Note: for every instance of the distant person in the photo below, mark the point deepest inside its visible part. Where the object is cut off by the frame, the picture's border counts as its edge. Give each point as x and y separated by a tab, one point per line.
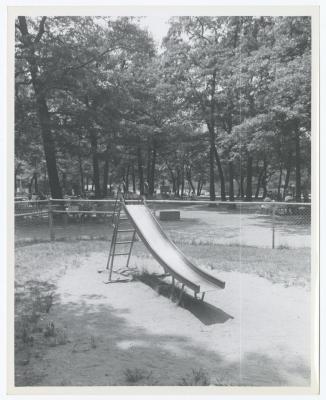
306	197
288	199
266	207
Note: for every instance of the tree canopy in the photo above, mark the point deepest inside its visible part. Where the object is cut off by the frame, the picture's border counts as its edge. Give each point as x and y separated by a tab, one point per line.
223	105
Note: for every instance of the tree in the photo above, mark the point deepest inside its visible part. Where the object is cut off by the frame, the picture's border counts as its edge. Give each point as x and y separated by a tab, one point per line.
75	57
30	44
196	59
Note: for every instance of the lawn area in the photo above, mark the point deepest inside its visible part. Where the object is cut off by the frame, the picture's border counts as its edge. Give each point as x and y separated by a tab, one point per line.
199	224
71	329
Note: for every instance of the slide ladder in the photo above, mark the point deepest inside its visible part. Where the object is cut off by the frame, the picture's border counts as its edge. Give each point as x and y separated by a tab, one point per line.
121	246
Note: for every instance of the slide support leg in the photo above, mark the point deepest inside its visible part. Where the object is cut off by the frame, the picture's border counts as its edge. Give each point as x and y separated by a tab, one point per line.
181	294
172	289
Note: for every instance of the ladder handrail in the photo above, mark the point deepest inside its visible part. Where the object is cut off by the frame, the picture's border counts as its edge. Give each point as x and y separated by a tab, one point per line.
116	223
113	245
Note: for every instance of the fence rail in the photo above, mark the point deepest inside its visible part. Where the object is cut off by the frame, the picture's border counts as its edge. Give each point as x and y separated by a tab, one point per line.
273	220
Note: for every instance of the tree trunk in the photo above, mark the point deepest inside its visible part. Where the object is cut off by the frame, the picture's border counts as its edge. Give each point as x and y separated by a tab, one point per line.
133	176
96	172
110	185
241	186
212	196
221	174
182	180
264	180
151	182
249	179
178	182
64	183
173	180
34	179
126	178
148	175
81	173
41	106
30	185
288	173
198	187
297	167
46	183
259	183
211	130
231	177
140	171
49	147
105	177
279	197
189	179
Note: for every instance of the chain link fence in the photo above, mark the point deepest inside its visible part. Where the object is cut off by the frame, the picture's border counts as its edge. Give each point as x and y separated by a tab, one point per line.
260	224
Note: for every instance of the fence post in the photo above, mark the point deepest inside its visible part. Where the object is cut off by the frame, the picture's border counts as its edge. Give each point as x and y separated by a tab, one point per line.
273	226
52	236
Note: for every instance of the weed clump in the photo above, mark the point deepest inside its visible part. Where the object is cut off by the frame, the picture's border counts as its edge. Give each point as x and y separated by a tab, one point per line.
197	377
138	376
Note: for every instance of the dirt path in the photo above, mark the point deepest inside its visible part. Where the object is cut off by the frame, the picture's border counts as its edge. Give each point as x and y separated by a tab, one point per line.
253	332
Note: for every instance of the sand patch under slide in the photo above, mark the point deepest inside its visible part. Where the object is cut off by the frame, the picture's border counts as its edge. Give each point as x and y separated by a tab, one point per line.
253	332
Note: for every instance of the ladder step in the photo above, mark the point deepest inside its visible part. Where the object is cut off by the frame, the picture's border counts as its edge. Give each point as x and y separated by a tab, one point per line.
124	242
121	254
126	230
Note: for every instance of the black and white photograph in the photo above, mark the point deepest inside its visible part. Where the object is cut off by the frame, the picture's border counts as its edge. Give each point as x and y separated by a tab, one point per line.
164	200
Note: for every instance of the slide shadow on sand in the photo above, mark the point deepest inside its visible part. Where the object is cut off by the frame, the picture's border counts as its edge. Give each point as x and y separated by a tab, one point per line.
205	312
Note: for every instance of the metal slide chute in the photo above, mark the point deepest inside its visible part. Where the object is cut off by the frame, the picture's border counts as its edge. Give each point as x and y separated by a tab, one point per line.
167	253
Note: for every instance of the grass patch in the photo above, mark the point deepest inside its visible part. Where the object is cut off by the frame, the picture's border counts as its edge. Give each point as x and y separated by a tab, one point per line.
286	266
280	265
197	377
138	377
290	267
33	302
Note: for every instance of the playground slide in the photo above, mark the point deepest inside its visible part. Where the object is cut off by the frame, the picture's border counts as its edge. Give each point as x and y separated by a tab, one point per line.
167	254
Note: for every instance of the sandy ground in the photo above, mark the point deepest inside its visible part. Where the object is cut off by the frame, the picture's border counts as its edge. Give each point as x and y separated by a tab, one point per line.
253	332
